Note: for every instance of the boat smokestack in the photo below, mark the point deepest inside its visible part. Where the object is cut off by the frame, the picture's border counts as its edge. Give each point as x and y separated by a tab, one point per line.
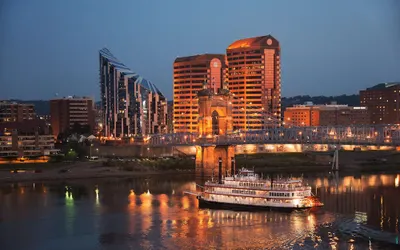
220	170
233	170
272	180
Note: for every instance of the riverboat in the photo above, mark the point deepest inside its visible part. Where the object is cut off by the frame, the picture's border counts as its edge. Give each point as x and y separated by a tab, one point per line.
248	190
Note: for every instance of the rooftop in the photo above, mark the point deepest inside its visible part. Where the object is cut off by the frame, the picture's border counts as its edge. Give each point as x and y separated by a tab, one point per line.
128	72
259	41
201	58
5	102
73	98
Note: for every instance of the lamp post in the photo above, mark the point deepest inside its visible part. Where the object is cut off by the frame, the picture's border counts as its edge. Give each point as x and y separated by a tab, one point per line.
90	150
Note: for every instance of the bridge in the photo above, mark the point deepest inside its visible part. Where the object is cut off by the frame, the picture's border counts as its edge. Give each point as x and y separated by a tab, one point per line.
376	135
216	139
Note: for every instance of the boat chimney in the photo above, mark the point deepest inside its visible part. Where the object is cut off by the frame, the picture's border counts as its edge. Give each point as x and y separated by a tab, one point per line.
272	180
233	170
220	170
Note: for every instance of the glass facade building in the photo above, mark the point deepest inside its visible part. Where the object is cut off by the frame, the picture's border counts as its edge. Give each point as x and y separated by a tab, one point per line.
131	105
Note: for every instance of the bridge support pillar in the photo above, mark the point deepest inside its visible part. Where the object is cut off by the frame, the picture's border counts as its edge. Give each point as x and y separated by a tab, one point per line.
207	158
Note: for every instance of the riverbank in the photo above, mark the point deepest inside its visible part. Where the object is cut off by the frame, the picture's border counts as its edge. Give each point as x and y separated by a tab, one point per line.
83	170
350	162
269	163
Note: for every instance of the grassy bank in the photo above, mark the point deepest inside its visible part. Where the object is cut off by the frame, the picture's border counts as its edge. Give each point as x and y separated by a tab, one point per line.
350	162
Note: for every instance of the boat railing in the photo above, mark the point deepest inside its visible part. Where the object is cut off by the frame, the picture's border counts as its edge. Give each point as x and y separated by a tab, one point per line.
258	179
265	188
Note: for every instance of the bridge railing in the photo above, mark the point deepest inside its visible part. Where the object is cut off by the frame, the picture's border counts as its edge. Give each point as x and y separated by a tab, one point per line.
351	135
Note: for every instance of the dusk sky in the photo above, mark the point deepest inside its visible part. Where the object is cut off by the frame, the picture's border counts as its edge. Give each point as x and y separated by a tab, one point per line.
328	47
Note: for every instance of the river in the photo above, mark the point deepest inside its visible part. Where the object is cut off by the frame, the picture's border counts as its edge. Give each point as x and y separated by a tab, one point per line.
152	213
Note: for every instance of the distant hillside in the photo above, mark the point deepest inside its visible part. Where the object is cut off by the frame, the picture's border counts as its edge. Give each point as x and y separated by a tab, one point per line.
351	100
42	107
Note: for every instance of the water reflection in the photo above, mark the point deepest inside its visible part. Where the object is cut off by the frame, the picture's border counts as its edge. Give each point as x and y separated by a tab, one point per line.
153	213
367	194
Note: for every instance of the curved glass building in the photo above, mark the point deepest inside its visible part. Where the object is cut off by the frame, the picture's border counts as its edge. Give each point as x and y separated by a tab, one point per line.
131	105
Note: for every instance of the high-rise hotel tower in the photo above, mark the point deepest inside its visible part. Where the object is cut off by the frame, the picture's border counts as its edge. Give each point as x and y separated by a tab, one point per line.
131	105
190	73
254	77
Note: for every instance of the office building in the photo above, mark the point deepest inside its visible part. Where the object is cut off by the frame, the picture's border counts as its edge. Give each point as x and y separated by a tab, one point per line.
325	115
131	105
16	112
382	101
190	73
255	81
70	111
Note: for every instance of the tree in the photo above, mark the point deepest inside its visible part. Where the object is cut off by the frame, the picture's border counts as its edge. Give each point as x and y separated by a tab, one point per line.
71	154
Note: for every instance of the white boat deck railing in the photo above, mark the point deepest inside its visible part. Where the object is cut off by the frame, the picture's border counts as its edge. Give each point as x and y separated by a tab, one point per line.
263	188
258	195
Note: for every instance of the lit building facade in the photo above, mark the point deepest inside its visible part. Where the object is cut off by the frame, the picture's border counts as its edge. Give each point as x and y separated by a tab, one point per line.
131	105
325	115
301	115
382	101
71	110
16	112
190	73
170	117
254	77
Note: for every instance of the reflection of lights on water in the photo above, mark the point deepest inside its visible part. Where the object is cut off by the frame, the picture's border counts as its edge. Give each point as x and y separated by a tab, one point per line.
68	197
396	181
381	212
132	199
360	217
70	209
97	195
146	199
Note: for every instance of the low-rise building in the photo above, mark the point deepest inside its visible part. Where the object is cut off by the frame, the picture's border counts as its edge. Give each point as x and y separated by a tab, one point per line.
383	103
16	112
324	115
26	139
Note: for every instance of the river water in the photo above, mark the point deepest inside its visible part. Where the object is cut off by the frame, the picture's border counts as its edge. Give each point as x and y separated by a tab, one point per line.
152	213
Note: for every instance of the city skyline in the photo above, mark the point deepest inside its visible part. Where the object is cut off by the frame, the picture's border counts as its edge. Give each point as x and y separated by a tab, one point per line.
326	52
